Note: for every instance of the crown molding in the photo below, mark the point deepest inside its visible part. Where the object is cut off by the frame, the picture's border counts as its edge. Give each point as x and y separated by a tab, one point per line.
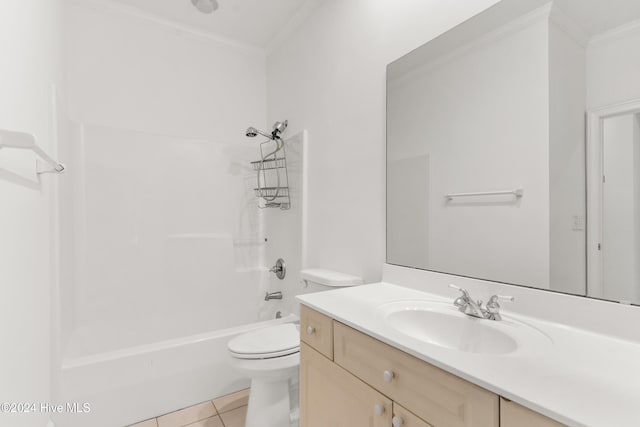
566	24
525	21
615	34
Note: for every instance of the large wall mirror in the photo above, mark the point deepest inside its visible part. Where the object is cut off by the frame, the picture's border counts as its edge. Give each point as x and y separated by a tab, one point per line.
513	149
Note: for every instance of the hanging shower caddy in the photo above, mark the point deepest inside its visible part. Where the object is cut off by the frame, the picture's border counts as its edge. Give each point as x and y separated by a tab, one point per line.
273	179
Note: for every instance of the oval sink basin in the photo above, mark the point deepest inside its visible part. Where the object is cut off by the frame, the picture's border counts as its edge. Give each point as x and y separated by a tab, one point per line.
444	326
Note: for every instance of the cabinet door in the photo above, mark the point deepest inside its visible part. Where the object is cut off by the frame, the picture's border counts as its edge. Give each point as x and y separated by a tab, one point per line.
332	397
514	415
404	418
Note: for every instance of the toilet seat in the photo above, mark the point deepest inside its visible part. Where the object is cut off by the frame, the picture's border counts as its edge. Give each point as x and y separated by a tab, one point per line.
267	343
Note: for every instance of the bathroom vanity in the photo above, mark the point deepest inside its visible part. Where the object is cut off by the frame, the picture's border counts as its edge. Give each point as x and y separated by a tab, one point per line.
365	382
367	361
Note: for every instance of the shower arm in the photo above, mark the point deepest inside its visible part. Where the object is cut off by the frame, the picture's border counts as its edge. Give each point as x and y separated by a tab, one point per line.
266	135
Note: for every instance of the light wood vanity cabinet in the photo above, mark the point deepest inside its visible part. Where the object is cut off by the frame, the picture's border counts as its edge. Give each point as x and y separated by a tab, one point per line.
514	415
334	398
358	381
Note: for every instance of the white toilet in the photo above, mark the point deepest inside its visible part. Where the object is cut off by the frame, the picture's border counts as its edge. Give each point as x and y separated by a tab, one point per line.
271	358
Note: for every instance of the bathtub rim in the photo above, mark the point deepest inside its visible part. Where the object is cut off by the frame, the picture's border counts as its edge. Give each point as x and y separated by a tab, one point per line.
84	361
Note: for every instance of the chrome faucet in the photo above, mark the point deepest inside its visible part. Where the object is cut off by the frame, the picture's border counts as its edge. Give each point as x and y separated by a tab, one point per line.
472	308
466	304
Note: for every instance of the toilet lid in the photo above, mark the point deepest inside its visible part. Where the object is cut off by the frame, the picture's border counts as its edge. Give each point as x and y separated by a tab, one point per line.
265	343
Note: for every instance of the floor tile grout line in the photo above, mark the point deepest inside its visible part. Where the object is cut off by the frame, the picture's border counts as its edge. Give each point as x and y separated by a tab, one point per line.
185	408
219	416
247	390
214	408
232	409
217	413
144	421
226	412
205	418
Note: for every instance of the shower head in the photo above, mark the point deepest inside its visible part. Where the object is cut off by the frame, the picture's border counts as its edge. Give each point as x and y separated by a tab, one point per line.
205	6
278	128
253	132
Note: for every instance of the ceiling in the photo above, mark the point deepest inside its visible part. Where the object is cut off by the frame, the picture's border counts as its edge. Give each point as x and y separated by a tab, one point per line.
596	16
254	22
257	22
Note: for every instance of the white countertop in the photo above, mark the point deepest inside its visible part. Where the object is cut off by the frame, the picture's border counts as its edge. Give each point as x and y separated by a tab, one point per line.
580	378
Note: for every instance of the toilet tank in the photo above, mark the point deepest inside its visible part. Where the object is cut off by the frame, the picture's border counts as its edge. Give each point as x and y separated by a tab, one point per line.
319	279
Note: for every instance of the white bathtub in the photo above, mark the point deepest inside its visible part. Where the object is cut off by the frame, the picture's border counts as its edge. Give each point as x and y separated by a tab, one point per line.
126	386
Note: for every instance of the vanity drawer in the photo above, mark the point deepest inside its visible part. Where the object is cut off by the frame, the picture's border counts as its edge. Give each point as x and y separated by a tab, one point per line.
316	330
514	415
404	418
439	398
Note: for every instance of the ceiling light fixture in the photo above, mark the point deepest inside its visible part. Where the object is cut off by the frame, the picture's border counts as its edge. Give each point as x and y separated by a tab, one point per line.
205	6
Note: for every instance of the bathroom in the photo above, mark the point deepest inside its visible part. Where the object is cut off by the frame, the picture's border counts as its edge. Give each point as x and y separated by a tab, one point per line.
128	274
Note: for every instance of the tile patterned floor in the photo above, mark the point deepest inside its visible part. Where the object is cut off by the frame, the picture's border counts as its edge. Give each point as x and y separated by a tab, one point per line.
226	411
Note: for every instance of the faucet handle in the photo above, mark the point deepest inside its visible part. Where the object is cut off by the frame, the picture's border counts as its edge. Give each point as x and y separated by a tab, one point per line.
465	293
462	301
494	299
493	307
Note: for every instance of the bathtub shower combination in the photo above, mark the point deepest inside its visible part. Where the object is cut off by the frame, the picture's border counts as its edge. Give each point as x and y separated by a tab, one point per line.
163	261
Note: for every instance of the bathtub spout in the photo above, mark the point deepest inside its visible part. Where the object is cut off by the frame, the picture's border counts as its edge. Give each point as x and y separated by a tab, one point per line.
273	295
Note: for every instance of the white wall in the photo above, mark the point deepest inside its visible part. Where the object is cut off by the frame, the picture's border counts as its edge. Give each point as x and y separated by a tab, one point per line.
333	84
284	232
162	209
613	61
408	208
567	193
440	110
131	73
29	40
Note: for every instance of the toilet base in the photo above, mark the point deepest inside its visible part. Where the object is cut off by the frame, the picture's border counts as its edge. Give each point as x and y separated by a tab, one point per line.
274	388
269	404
